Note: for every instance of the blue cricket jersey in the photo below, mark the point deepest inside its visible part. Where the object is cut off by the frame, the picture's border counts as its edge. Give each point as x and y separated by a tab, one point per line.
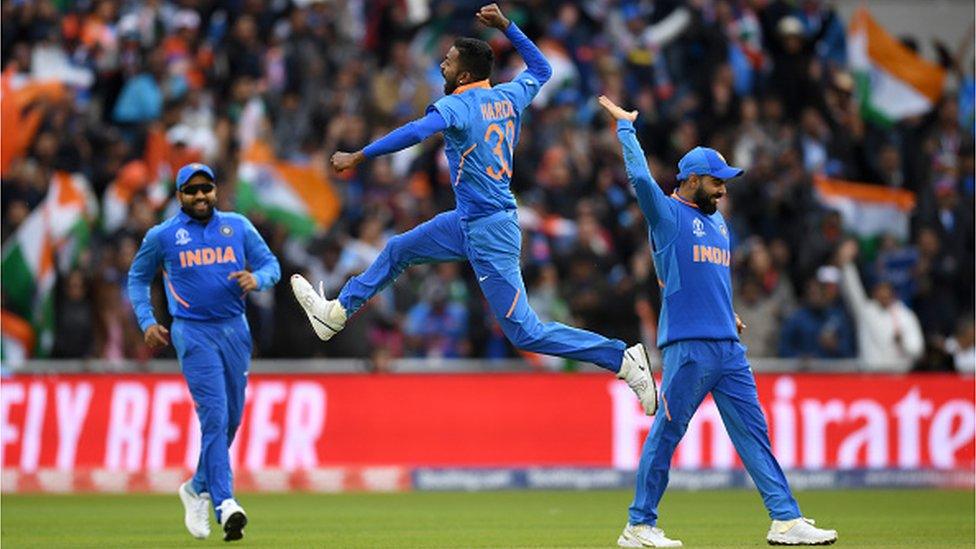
197	259
691	255
483	125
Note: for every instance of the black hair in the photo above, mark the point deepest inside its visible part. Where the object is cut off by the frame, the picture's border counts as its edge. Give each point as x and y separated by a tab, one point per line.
475	56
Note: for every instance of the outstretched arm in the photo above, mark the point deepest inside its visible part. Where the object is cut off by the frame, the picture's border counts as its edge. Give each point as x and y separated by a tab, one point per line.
405	136
657	208
491	16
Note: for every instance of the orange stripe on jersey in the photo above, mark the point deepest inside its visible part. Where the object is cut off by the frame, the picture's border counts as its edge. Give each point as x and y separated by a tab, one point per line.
681	199
461	163
479	84
667	412
169	284
514	301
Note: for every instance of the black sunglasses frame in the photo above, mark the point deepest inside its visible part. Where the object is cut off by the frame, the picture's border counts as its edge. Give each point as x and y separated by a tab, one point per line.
191	190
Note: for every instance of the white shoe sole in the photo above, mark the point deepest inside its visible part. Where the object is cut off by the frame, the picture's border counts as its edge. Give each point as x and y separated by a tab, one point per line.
308	299
794	542
624	541
630	541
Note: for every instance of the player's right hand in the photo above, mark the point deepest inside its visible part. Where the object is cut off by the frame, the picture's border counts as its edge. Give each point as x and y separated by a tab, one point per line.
157	336
342	161
615	111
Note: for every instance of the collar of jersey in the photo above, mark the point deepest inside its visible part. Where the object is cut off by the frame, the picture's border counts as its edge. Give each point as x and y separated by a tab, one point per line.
479	84
679	198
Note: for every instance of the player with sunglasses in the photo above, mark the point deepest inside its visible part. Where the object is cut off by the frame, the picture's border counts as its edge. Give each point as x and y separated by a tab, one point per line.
205	254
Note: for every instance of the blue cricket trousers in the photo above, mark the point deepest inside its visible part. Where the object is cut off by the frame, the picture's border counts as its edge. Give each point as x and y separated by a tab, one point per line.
492	244
214	356
692	369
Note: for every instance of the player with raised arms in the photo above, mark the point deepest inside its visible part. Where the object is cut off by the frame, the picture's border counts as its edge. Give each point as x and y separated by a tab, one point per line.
699	341
480	124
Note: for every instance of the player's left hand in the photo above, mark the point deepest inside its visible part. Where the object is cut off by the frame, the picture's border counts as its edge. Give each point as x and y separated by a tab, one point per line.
491	16
615	110
739	325
245	280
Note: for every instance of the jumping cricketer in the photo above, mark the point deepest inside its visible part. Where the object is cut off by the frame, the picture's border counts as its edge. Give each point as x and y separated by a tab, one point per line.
699	340
204	254
481	125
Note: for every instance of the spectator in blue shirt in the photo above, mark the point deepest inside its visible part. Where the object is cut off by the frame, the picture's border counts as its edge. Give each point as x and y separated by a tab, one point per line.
818	329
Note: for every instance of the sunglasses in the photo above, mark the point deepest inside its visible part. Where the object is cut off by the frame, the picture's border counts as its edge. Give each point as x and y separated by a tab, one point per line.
194	189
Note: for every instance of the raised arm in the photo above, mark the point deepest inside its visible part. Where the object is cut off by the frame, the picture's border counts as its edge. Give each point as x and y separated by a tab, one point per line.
658	209
405	136
540	69
851	287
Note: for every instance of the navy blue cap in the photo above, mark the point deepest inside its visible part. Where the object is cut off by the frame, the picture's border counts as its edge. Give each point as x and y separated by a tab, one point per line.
188	171
705	161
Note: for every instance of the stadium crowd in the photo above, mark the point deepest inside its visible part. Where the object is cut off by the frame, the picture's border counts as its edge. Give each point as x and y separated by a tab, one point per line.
765	82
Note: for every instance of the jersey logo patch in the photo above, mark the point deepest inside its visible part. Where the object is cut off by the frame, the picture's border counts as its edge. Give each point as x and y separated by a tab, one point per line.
226	230
697	227
182	237
723	230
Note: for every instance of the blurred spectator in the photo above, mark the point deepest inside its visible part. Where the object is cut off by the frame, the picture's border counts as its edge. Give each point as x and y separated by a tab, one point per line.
962	346
436	327
889	335
73	337
817	329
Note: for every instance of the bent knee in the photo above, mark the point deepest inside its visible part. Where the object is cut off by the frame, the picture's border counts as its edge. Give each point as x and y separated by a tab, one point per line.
524	335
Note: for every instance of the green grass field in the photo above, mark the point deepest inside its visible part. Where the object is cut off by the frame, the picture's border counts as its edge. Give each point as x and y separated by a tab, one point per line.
883	519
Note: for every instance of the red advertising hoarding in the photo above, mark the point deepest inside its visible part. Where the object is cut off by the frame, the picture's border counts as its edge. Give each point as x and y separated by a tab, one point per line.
141	423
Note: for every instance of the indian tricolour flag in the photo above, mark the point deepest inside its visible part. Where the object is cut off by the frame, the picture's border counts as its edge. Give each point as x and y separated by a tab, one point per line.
867	210
892	81
53	235
299	197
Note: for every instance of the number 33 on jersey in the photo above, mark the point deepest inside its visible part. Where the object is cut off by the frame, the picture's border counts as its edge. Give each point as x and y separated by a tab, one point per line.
483	128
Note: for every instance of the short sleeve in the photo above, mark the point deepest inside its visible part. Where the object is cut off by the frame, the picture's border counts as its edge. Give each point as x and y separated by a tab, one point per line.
454	111
522	89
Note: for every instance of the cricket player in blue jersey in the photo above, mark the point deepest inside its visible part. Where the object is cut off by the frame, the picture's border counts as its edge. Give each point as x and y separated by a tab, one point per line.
480	124
204	254
699	339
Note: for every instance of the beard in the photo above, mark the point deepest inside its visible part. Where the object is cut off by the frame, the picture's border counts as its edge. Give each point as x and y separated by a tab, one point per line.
191	210
449	87
704	202
450	84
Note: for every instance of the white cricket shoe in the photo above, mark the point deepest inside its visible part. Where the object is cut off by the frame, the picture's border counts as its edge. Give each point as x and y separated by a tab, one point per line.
196	509
799	531
327	317
636	371
232	519
643	535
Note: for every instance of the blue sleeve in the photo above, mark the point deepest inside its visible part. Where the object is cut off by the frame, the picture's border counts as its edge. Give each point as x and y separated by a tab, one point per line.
407	135
658	209
264	265
453	110
526	85
141	275
537	64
